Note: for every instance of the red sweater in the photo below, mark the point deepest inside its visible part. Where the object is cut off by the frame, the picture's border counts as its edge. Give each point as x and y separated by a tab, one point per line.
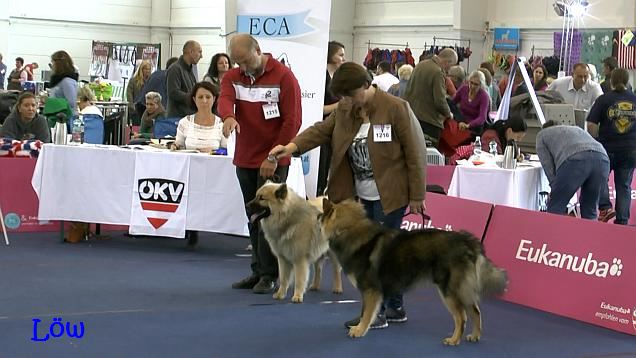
258	136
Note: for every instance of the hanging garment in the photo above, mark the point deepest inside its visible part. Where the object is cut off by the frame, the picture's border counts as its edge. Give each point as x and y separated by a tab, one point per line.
577	43
597	45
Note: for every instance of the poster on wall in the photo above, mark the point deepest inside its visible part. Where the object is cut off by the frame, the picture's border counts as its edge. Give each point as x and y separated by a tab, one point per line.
506	38
295	32
117	62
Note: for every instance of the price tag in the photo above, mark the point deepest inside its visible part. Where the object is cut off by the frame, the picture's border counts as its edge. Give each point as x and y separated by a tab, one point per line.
270	110
381	132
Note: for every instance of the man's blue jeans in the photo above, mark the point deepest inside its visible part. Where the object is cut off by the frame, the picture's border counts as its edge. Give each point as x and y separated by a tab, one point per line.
587	170
623	164
392	220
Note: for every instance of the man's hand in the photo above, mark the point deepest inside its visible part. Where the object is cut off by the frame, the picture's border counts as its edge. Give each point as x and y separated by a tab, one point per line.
417	207
229	124
268	168
463	126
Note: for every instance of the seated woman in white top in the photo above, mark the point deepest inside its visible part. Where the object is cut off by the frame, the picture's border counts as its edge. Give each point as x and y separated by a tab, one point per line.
202	131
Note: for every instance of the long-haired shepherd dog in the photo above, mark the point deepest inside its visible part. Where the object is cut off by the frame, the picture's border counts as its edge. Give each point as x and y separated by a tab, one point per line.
291	227
381	262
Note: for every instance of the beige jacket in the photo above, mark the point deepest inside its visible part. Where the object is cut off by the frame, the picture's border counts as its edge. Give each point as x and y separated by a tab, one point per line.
399	166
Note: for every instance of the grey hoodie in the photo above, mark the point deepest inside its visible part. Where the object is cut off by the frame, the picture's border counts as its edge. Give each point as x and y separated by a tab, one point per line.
14	127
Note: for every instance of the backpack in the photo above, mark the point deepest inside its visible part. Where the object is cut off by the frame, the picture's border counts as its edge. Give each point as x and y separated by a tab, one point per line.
7	102
53	106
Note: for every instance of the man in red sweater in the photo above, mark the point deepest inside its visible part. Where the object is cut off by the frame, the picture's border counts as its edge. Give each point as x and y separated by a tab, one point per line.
261	101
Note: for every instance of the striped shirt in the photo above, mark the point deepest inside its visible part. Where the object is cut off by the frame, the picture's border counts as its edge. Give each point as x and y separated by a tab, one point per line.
194	136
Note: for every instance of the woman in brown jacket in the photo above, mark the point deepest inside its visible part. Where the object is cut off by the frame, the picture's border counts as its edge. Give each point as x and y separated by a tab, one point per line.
378	156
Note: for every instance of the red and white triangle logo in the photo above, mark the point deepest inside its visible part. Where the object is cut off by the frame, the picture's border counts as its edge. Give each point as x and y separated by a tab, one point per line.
159	199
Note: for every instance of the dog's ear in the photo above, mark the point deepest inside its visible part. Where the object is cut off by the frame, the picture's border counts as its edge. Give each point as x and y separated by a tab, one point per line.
281	192
327	207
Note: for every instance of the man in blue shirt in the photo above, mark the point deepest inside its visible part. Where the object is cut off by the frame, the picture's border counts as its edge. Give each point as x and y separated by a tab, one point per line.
612	120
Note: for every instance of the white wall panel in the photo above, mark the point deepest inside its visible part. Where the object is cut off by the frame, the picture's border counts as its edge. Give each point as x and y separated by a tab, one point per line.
133	12
341	24
190	13
403	13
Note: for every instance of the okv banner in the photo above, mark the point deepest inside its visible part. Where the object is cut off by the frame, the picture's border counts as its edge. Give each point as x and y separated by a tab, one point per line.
296	33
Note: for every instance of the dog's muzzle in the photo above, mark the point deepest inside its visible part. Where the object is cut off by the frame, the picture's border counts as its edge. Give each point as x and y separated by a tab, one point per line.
257	212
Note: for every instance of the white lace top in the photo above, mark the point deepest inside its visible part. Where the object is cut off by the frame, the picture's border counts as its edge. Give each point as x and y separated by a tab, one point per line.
194	136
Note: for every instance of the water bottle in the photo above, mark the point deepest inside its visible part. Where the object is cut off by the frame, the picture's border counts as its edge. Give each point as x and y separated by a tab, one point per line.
477	147
77	130
492	148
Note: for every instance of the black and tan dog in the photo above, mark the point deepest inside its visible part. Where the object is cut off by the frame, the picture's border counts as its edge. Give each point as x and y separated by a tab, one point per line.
381	262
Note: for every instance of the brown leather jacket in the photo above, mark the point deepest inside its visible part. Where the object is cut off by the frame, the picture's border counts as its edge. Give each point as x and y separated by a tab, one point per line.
398	166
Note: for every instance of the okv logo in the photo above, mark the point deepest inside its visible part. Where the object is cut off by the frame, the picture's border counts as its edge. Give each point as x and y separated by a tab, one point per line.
12	220
57	328
159	199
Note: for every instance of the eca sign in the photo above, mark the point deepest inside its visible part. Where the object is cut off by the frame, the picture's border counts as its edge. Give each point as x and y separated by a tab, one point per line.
274	25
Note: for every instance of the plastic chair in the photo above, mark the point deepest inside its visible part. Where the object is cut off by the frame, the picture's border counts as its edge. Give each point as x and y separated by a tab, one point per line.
93	129
165	127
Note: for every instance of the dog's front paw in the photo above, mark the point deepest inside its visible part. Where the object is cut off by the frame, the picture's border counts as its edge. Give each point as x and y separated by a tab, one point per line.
473	338
297	299
357	331
279	295
337	290
451	341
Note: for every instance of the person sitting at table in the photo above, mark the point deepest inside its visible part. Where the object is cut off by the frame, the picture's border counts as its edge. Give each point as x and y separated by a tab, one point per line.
203	130
86	102
474	103
503	131
571	159
24	122
154	110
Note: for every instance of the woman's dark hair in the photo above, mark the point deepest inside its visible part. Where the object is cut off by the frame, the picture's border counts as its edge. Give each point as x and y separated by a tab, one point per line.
517	124
620	77
332	48
213	70
64	63
489	66
349	77
542	82
207	86
21	98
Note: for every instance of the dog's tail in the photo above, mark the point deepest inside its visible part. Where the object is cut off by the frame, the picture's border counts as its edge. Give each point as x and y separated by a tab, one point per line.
492	280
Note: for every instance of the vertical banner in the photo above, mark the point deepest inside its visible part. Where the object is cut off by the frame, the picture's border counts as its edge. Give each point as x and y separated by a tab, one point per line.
160	194
295	32
116	62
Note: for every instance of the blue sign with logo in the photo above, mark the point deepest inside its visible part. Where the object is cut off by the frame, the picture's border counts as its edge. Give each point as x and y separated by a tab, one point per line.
292	25
12	221
506	38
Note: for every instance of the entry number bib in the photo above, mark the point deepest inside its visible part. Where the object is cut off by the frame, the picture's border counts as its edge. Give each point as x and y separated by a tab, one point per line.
381	132
270	110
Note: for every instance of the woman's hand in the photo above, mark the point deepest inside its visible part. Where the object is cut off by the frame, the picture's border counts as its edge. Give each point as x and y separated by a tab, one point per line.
281	151
463	126
417	207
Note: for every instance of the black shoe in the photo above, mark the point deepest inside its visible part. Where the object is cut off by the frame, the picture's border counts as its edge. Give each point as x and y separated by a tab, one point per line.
246	284
379	322
396	315
193	239
264	285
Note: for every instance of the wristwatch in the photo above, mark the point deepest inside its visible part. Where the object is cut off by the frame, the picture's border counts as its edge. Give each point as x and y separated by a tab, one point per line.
272	158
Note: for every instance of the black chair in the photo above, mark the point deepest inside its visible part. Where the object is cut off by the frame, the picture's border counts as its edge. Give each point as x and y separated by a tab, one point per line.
113	128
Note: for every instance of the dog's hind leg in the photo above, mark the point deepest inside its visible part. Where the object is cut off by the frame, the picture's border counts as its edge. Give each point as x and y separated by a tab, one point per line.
284	274
315	285
475	316
301	271
371	301
456	309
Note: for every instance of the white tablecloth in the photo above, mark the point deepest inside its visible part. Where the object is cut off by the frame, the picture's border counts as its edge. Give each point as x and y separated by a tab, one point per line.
95	184
517	188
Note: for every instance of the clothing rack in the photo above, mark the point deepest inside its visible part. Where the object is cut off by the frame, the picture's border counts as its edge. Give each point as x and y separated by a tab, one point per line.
540	49
369	43
435	38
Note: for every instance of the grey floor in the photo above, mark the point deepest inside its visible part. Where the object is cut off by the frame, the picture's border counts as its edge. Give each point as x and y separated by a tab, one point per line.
153	298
